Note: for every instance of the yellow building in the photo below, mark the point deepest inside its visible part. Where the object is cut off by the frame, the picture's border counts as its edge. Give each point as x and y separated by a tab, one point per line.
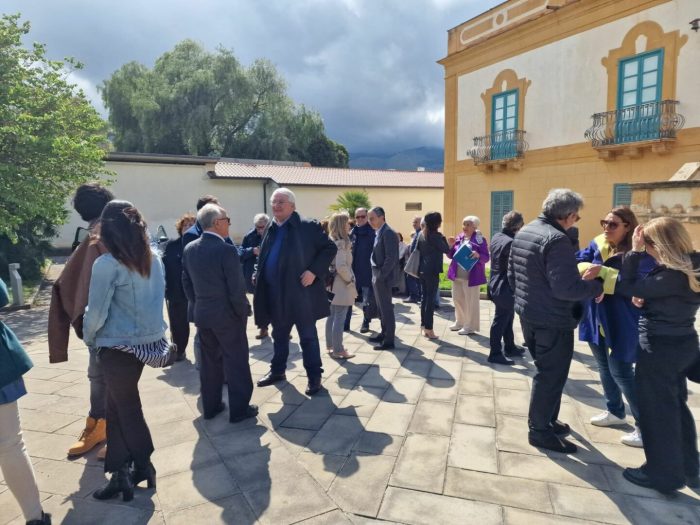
592	95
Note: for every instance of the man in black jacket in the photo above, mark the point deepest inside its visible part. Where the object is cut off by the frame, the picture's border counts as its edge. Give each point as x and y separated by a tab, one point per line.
289	287
249	251
501	293
213	282
548	289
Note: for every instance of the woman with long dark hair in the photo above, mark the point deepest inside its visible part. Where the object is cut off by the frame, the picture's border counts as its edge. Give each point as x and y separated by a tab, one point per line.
669	297
609	324
124	320
432	245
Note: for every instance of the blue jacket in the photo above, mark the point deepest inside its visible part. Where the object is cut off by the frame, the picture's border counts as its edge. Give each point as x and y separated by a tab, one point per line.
124	308
362	246
14	361
616	314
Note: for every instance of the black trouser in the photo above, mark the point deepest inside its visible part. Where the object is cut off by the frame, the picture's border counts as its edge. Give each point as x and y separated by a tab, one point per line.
225	354
552	349
382	294
502	325
668	427
428	287
128	437
179	325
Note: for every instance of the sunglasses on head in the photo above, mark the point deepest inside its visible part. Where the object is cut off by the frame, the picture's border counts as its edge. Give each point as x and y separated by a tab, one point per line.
611	225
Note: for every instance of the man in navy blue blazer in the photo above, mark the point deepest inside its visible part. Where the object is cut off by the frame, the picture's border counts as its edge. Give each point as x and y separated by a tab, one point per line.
214	285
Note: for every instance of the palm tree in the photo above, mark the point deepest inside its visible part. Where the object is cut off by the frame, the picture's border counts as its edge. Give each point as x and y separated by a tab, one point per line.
351	200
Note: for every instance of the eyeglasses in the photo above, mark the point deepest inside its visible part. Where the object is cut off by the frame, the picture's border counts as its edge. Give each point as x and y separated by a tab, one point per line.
611	225
227	219
360	216
278	203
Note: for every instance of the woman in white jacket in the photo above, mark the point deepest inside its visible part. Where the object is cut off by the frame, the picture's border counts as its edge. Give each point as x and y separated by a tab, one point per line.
343	288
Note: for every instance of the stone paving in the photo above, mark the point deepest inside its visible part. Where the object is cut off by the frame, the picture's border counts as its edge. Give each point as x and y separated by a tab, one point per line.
428	433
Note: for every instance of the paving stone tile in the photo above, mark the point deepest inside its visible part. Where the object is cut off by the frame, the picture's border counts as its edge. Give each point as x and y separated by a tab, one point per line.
234	509
417	368
322	467
476	384
475	410
391	418
501	490
588	504
9	508
511	383
312	414
47	373
187	489
249	440
285	394
443	369
363	520
420	508
473	447
421	463
553	469
184	456
263	467
377	377
43	421
338	435
444	390
360	484
334	517
360	401
516	402
50	446
66	478
645	511
513	516
378	443
391	359
432	417
174	433
404	390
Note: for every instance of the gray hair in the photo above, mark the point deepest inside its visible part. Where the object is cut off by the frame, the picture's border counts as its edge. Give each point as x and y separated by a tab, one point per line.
561	202
473	219
261	217
512	220
208	215
284	191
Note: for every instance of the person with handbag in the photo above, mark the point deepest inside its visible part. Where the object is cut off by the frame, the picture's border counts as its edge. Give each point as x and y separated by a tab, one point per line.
669	297
15	464
124	321
431	246
342	285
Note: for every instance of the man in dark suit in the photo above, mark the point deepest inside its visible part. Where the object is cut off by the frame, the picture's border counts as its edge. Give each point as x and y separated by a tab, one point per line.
289	287
214	284
385	269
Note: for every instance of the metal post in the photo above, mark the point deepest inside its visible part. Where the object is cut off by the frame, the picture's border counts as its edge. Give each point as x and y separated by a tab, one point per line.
16	285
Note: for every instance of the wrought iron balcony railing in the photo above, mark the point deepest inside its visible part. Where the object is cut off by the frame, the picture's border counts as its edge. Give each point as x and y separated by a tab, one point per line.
502	145
650	121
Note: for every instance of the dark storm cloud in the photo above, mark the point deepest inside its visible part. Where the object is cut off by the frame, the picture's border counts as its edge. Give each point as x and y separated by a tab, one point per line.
368	66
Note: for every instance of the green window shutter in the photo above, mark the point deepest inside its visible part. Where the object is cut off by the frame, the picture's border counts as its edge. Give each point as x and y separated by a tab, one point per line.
638	96
622	195
504	124
501	203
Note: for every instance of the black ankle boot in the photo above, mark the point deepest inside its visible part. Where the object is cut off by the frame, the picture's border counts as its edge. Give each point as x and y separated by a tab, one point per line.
120	483
147	474
45	520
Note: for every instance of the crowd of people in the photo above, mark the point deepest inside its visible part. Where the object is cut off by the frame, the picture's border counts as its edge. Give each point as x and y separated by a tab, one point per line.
633	293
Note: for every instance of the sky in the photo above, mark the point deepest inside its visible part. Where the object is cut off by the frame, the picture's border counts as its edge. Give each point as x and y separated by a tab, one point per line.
367	66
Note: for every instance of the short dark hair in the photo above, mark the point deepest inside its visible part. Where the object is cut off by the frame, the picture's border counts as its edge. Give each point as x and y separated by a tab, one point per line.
90	199
512	221
206	199
378	211
432	220
124	234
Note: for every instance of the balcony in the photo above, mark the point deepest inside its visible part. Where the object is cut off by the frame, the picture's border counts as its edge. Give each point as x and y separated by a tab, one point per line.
500	150
631	130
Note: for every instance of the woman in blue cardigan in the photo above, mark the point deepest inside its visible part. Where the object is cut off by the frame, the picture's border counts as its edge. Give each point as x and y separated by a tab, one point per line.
14	461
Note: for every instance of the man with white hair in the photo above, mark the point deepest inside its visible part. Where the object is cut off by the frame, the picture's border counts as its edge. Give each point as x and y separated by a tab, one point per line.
250	249
548	291
213	282
295	256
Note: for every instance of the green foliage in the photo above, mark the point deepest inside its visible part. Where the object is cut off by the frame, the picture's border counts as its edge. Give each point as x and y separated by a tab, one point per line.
351	200
29	250
194	102
51	138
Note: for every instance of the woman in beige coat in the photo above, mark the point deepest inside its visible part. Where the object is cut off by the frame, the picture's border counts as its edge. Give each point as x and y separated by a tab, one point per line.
343	289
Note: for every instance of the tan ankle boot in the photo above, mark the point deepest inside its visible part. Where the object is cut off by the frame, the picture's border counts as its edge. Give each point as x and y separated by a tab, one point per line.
95	432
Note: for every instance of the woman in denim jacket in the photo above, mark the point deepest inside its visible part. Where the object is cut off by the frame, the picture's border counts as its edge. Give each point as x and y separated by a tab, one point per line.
124	320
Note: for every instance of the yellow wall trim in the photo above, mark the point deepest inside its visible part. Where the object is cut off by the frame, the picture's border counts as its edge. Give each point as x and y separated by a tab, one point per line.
511	81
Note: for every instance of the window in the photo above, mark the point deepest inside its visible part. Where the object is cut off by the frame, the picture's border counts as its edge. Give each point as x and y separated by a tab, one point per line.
501	203
622	195
414	206
504	123
638	97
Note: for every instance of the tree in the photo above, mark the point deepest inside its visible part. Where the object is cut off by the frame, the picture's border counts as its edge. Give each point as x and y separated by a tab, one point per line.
351	200
51	138
194	102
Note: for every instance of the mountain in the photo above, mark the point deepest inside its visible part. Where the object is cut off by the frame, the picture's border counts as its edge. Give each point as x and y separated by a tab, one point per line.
431	159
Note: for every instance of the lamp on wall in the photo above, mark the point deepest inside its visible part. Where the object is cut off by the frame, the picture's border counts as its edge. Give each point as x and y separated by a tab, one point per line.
695	24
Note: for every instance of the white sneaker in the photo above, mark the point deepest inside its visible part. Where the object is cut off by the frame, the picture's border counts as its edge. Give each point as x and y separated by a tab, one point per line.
606	419
454	327
465	331
633	439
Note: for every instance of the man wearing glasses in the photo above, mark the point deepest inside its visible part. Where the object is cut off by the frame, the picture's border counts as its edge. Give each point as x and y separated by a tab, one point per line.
250	249
362	236
295	255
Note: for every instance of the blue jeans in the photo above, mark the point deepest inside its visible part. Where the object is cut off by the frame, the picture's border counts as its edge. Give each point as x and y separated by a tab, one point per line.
310	349
617	378
98	387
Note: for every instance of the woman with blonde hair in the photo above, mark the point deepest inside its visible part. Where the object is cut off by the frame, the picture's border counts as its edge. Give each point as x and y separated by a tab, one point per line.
669	297
342	287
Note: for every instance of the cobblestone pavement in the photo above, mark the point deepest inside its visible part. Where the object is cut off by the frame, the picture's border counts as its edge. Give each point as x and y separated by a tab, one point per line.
428	433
